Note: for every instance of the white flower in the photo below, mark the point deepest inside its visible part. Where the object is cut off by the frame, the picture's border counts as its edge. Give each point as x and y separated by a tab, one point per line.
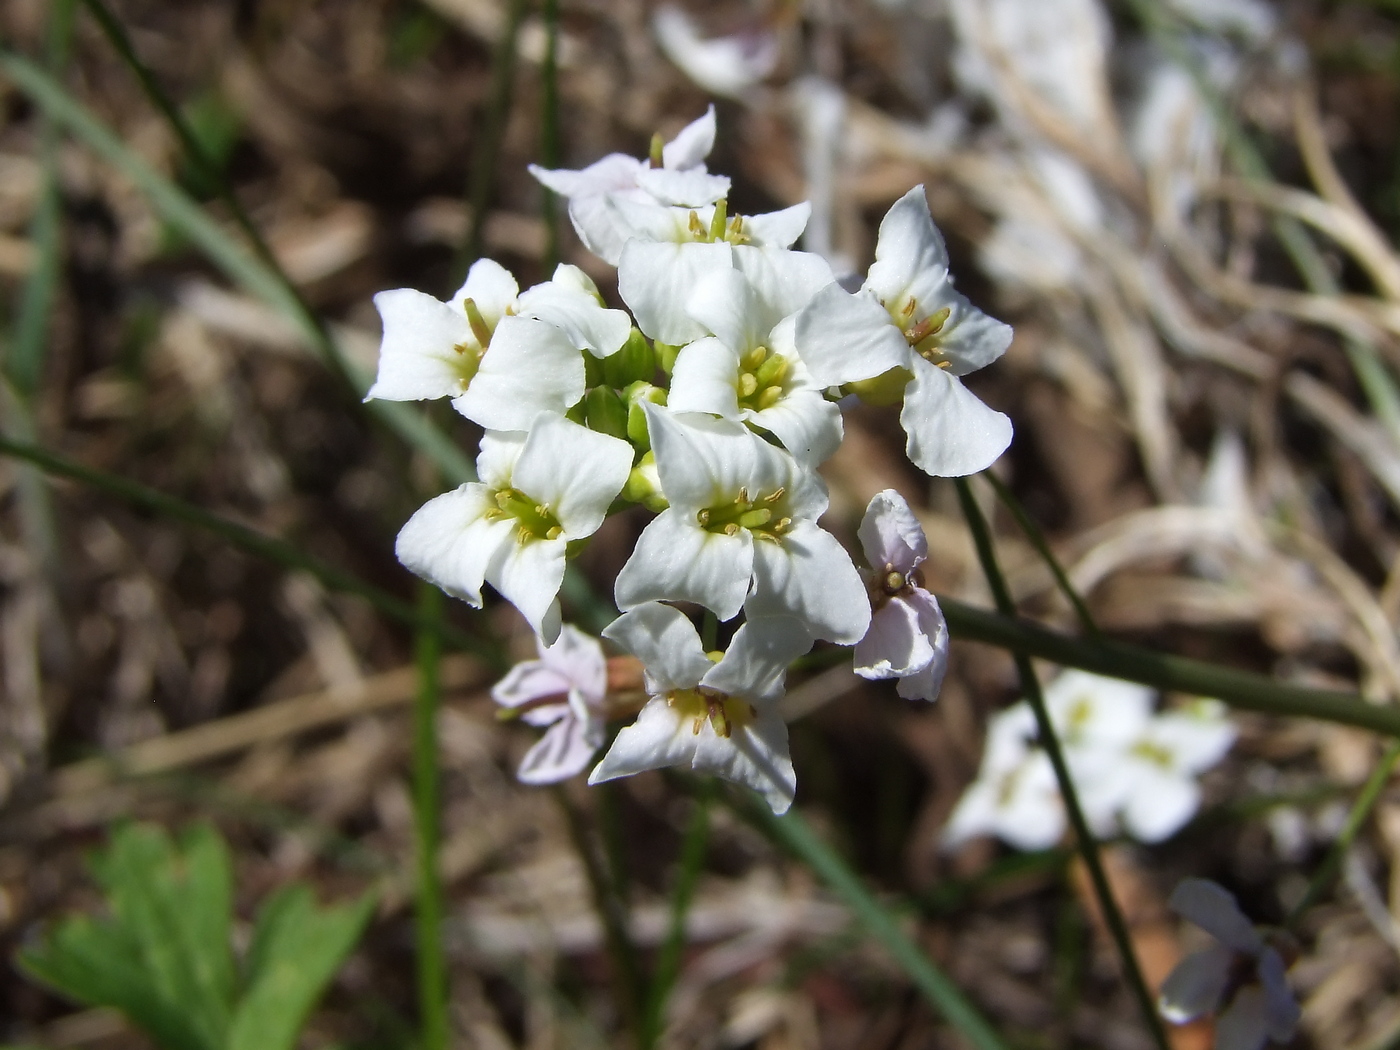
1244	970
678	177
908	637
564	689
907	325
741	532
500	370
1015	796
724	65
537	493
720	717
749	370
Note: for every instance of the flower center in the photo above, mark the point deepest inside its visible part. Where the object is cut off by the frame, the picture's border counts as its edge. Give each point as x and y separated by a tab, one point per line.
1154	753
722	711
924	337
762	516
721	228
534	521
469	356
761	375
891	583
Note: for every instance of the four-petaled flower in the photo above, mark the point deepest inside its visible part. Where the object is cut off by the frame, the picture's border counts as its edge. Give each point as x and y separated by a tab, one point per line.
1015	796
537	493
715	717
564	690
1245	973
741	532
908	636
907	333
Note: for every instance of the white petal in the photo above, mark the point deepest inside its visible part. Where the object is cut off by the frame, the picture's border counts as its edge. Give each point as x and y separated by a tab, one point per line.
1213	908
891	535
950	432
574	471
599	225
676	560
910	256
725	303
1195	743
656	280
1244	1025
491	287
705	379
564	751
666	643
1033	817
529	575
704	462
616	171
1160	806
692	145
683	189
925	684
1009	736
755	664
843	338
659	738
449	543
1093	710
974	815
809	575
808	425
894	646
417	357
530	680
499	451
783	281
1281	1012
969	338
1196	984
726	65
755	755
778	229
530	367
579	658
583	319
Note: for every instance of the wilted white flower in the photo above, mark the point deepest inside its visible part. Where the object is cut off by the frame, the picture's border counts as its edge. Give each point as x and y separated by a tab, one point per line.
564	689
722	65
715	717
908	636
748	370
1015	796
1242	978
503	358
537	493
741	532
675	175
907	333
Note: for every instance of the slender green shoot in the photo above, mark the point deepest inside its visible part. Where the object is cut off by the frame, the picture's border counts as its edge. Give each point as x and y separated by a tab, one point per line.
1084	837
1037	540
1336	853
256	543
491	132
668	960
625	967
549	128
937	989
427	822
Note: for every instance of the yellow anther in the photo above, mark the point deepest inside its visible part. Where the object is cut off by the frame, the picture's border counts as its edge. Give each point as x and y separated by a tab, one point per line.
696	227
775	495
743	496
747	384
771	396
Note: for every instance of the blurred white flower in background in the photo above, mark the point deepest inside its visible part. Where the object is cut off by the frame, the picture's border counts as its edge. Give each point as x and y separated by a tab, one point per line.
728	66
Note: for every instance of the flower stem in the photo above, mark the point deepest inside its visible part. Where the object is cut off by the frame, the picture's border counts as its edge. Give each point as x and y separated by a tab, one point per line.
1360	810
1084	837
428	910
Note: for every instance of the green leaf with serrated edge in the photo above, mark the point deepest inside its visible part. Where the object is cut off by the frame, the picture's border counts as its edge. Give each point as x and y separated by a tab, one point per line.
296	950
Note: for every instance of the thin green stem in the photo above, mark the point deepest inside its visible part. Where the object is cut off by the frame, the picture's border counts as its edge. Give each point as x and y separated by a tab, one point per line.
241	536
1042	547
1084	837
709	630
622	953
794	833
491	131
668	960
427	822
549	128
1336	853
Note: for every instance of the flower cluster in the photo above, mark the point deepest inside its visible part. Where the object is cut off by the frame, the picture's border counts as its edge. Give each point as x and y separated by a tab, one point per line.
1135	771
710	401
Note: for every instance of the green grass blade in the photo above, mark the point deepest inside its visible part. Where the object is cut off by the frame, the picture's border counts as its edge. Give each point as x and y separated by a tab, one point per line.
549	129
1083	836
427	822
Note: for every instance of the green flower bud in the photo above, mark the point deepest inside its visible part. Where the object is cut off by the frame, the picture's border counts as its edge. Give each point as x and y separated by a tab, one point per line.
644	485
604	412
633	363
666	356
635	394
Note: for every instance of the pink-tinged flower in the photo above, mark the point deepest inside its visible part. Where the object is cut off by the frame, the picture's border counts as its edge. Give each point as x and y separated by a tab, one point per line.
564	690
1244	973
908	636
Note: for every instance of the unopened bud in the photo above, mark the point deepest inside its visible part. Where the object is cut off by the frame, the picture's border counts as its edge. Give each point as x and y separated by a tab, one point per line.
635	362
644	485
636	395
604	412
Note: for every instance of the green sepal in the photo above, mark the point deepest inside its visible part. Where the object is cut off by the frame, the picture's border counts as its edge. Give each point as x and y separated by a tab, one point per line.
604	412
634	362
665	355
636	395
